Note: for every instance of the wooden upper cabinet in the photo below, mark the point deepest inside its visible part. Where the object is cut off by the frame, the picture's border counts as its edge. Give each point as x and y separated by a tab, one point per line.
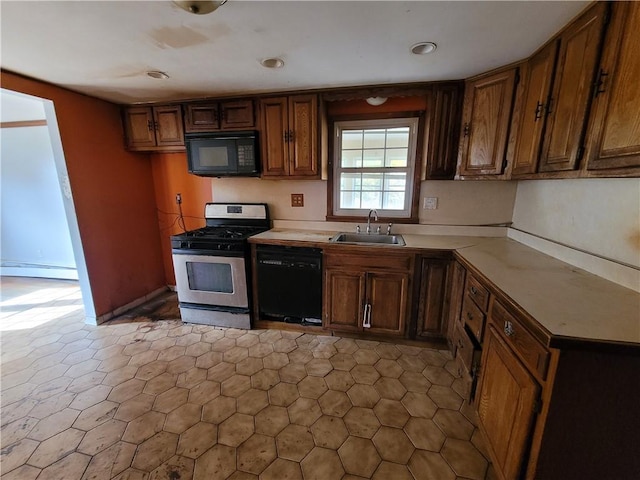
289	136
213	116
531	107
571	95
506	405
444	109
485	124
614	131
154	128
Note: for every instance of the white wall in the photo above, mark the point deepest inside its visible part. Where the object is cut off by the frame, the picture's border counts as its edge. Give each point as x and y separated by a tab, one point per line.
34	230
459	203
600	216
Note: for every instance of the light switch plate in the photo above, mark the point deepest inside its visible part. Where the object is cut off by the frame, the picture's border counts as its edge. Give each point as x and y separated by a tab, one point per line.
297	200
430	203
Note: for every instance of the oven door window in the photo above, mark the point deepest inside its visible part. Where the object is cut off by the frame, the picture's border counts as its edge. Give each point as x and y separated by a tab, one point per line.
210	277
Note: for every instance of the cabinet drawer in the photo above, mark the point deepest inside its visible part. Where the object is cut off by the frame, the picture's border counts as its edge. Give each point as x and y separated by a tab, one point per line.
465	348
473	318
379	262
475	290
531	352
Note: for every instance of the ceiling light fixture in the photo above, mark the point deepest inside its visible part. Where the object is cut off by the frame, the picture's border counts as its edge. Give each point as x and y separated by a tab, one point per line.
423	48
376	101
272	62
157	74
198	7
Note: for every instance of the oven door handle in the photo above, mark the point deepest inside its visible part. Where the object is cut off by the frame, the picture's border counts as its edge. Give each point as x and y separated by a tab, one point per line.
208	253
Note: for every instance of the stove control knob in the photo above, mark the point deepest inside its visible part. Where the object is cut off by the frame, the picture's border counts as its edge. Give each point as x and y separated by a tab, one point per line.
228	246
184	245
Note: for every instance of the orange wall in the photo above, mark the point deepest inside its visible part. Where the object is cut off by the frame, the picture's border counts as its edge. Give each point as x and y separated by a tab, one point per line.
170	176
113	194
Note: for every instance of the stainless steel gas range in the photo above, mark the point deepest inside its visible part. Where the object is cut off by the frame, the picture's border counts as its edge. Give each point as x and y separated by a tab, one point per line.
212	264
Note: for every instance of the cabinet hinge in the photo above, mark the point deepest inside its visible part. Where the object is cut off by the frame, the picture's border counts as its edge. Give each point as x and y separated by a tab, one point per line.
580	152
537	405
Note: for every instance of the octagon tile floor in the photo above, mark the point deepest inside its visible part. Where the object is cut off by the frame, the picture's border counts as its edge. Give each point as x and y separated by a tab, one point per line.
140	399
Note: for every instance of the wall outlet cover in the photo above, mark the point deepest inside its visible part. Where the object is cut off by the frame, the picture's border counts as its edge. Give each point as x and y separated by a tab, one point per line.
297	200
430	203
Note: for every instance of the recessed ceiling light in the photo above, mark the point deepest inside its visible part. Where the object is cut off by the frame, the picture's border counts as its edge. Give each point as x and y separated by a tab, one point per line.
200	7
157	74
272	62
423	48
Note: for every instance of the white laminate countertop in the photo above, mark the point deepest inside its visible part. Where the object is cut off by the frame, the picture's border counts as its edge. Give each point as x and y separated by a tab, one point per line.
568	302
571	304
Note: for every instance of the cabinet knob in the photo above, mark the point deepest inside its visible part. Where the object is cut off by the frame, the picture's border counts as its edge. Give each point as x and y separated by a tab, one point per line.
286	135
508	329
474	290
150	125
465	129
292	135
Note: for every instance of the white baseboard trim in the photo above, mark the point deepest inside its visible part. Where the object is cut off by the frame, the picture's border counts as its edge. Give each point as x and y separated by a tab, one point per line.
40	272
125	308
624	275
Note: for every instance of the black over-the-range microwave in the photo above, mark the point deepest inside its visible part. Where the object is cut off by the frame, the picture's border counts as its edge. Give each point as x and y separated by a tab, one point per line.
224	154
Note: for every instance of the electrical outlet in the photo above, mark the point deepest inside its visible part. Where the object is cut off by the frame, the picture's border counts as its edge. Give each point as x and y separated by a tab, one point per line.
297	200
430	203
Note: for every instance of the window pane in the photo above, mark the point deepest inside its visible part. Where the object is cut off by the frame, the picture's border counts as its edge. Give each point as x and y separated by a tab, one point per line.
351	159
372	181
349	199
395	181
351	139
373	158
393	200
371	200
374	138
350	181
398	137
396	157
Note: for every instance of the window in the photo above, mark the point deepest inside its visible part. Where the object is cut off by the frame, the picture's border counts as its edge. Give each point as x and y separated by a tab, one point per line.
374	167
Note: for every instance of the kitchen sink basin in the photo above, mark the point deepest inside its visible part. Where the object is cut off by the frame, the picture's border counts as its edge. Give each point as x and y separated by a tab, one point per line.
370	238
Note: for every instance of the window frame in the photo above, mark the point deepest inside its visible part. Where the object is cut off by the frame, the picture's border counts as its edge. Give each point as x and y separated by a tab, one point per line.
413	119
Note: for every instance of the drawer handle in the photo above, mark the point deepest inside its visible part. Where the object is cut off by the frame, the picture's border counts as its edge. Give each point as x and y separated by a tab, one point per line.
460	345
474	290
469	316
508	329
478	334
366	322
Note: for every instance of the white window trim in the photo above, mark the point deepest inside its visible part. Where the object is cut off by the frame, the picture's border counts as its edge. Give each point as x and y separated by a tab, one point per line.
412	123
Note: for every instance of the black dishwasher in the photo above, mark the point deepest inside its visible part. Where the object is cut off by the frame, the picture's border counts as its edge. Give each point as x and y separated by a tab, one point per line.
289	281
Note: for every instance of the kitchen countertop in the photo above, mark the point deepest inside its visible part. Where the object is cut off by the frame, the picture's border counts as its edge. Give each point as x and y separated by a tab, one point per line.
572	305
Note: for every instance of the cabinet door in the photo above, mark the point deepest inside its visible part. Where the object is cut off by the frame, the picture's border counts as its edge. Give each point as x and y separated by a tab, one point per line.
506	401
275	148
303	135
536	82
387	297
568	106
487	112
236	115
432	321
201	117
139	129
444	127
344	293
168	125
614	133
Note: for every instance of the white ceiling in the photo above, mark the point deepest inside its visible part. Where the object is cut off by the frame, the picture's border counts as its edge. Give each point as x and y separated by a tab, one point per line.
104	48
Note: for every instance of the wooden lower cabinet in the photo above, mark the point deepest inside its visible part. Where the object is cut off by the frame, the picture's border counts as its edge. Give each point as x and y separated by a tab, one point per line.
506	402
433	319
363	294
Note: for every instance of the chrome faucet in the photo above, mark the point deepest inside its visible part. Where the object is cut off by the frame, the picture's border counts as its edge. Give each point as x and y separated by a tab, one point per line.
375	216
